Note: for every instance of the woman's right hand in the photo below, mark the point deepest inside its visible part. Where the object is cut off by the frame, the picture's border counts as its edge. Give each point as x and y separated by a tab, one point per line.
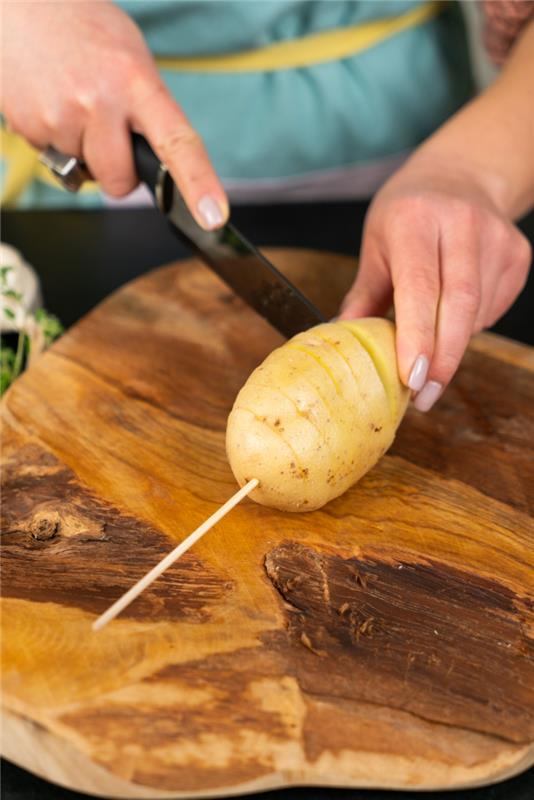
79	76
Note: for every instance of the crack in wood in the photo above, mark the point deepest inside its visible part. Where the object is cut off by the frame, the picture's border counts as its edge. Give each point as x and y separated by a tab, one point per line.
418	636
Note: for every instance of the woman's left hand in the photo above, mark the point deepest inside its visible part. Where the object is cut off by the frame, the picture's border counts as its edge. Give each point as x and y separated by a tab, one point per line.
437	245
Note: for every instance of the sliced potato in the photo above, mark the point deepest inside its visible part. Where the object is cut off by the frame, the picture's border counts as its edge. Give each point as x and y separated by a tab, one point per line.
317	414
377	336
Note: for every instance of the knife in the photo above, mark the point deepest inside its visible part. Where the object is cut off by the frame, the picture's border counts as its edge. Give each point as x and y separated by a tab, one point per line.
232	257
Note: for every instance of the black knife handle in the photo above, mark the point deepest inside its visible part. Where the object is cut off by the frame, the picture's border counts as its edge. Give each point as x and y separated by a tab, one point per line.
151	172
147	164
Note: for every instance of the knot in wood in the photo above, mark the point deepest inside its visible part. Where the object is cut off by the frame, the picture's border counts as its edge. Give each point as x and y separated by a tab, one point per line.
44	525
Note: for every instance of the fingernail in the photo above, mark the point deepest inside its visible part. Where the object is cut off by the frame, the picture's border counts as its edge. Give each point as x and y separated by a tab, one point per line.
210	212
428	396
417	378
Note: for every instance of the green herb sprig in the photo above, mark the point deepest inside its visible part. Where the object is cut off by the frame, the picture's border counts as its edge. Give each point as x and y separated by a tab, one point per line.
36	332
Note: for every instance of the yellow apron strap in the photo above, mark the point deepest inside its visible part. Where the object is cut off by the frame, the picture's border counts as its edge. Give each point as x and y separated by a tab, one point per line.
317	48
20	163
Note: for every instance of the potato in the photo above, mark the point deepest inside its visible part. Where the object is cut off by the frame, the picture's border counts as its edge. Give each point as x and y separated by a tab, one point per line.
317	414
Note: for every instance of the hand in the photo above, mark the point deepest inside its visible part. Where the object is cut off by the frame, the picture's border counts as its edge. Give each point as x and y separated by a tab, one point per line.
435	243
79	76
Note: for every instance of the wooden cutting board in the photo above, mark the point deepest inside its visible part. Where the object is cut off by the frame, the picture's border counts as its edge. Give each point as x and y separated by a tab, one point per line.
385	640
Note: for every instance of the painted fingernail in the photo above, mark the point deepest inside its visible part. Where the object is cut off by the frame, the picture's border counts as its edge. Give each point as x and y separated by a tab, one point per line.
417	378
428	395
210	212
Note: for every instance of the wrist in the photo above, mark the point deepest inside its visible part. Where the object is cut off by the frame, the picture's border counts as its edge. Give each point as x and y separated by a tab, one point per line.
488	143
453	171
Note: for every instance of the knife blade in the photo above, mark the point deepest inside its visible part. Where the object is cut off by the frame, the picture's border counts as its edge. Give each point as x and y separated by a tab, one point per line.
229	254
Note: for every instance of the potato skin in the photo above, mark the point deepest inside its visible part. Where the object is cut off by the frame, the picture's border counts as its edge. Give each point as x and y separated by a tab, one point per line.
317	414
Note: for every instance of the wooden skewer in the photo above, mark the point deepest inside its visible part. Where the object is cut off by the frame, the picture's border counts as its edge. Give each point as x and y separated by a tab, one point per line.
120	604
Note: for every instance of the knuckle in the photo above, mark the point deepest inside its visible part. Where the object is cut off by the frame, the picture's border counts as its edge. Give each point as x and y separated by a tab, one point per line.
415	301
465	222
408	209
466	295
131	80
517	280
466	214
32	129
413	324
409	204
53	118
516	269
500	234
444	366
35	137
59	115
181	139
17	125
71	105
117	185
88	101
423	281
142	90
420	333
125	64
524	252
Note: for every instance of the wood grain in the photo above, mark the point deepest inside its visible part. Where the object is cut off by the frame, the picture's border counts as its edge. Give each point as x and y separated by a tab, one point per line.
385	640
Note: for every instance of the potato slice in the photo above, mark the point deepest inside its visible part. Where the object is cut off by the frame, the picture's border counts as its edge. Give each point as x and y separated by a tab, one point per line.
377	336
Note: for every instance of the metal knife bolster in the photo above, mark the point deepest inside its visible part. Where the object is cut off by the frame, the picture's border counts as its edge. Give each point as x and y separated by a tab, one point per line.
68	170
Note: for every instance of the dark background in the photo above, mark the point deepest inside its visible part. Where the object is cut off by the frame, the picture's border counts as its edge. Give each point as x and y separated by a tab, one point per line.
82	256
17	784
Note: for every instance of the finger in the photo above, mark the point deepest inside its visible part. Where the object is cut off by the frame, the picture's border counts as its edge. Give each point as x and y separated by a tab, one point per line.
180	147
372	291
107	151
414	263
458	308
511	280
63	121
489	287
35	138
39	136
496	257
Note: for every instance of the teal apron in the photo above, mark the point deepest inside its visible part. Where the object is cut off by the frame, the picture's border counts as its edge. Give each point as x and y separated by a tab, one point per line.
294	99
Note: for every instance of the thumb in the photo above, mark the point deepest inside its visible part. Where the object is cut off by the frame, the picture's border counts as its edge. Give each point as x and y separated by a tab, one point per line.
371	293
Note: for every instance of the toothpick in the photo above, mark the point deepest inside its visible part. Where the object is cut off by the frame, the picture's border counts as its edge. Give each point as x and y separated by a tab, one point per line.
120	604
